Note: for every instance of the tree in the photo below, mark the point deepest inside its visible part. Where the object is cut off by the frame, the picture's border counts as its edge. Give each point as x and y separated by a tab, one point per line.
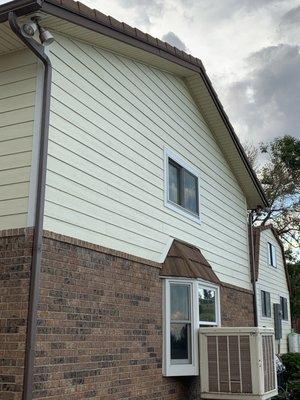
280	178
294	275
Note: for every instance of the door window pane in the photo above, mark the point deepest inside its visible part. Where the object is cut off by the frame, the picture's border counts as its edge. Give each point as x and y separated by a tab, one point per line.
181	342
174	183
207	305
180	302
190	192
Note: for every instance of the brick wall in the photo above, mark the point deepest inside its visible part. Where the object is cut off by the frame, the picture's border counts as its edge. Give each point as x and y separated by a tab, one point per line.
100	328
99	323
15	261
236	306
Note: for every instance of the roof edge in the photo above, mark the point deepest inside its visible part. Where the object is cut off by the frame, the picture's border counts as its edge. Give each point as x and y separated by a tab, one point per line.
92	19
20	7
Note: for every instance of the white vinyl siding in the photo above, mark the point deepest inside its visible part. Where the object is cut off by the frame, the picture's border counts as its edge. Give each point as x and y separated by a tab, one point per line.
272	280
18	73
111	118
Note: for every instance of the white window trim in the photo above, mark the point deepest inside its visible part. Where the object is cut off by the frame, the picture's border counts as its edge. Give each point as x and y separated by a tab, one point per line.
274	254
193	368
168	153
261	304
180	369
207	285
285	296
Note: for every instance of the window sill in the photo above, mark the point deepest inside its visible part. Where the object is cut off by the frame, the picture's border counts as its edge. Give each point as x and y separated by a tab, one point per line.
180	210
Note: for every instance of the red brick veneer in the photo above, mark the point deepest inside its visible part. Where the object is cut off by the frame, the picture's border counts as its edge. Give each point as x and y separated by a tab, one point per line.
15	261
99	323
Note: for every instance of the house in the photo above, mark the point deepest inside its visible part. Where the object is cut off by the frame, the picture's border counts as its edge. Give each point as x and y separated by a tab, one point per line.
124	202
272	284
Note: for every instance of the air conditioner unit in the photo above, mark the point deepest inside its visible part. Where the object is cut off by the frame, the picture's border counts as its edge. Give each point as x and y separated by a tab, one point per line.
237	363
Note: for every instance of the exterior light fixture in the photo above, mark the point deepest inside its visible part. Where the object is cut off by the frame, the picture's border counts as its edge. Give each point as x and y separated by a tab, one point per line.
29	29
32	26
45	36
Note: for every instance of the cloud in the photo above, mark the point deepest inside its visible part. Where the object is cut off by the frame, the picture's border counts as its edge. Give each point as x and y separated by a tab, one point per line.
266	102
145	10
292	16
174	40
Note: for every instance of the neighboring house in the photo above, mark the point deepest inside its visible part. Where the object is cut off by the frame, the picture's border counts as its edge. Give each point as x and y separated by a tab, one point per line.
272	282
123	210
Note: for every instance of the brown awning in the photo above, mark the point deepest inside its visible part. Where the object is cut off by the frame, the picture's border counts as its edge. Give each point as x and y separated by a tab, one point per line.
185	260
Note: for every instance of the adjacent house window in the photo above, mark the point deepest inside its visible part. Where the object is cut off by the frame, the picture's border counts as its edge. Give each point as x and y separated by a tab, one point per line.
271	254
284	308
182	186
265	304
188	303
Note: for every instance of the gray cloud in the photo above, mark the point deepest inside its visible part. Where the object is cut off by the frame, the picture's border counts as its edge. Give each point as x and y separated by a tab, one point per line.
174	40
145	9
292	16
225	9
266	103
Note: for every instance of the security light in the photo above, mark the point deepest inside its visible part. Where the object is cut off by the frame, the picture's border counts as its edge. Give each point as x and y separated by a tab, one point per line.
29	28
32	26
45	36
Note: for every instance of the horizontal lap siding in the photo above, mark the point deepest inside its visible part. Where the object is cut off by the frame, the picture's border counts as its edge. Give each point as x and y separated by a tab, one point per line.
110	120
17	100
272	280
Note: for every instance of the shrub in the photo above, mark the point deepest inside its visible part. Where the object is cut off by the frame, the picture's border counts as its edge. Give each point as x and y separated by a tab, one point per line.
291	361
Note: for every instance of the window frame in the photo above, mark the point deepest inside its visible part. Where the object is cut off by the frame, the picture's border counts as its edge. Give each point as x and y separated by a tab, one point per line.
264	308
184	369
283	309
182	163
272	255
216	288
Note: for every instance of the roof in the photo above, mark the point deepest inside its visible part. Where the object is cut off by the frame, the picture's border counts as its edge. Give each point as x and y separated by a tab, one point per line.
192	68
256	243
185	260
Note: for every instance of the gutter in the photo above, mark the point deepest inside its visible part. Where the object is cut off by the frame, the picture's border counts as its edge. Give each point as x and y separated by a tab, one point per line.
20	7
252	265
31	333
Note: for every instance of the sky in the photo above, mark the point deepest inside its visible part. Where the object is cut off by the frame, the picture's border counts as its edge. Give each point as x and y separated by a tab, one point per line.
250	50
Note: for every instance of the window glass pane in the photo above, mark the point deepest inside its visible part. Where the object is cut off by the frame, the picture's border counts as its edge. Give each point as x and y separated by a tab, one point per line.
207	305
262	302
268	304
190	192
174	183
284	309
273	256
270	253
181	342
180	302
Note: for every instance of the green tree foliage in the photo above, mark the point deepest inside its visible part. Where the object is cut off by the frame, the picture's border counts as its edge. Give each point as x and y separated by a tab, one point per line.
280	178
294	275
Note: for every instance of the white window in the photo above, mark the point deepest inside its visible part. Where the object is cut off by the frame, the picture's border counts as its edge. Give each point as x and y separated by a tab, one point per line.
271	254
181	186
189	303
265	304
209	308
284	308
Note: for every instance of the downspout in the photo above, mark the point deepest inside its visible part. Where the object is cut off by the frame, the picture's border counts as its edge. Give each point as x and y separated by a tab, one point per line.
39	51
252	264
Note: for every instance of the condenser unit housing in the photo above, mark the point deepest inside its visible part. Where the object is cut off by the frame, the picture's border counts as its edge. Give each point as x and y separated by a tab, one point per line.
237	363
